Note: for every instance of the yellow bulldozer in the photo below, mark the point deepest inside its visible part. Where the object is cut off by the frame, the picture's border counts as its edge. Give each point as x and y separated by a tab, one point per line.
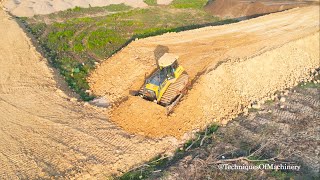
167	84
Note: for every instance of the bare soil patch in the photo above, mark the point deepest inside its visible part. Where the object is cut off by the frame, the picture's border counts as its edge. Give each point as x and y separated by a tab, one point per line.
46	134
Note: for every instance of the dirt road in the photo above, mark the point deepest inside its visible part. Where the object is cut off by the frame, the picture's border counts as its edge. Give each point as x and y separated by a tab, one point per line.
43	133
231	65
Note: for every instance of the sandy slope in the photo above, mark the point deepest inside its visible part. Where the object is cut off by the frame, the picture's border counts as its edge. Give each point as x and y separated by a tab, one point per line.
43	134
244	9
222	90
29	8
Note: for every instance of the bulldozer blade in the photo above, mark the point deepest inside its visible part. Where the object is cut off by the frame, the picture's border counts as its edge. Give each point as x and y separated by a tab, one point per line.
133	93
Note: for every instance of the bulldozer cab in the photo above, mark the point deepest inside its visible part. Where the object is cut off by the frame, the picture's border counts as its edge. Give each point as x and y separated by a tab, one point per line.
167	83
168	65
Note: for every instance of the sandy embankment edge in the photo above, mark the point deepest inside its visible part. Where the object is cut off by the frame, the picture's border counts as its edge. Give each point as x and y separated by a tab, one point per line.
235	86
226	91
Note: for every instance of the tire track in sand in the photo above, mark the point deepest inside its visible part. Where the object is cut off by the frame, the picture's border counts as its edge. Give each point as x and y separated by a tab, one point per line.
43	135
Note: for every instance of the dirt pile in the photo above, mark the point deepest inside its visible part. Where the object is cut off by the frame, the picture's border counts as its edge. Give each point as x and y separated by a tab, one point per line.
243	9
231	60
221	94
46	134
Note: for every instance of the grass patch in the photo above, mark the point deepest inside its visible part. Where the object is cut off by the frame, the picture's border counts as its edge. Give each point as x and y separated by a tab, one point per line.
74	45
151	2
253	110
91	11
269	102
311	84
184	4
280	175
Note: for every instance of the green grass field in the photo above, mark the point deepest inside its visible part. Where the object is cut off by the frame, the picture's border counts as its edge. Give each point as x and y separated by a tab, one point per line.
75	39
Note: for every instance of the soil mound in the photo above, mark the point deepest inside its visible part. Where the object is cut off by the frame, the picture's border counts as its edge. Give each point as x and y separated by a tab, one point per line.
230	66
246	9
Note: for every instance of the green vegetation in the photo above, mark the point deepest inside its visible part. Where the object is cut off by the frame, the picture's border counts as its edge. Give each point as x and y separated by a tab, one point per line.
313	84
196	4
281	175
151	2
269	102
74	45
309	85
80	12
162	162
253	110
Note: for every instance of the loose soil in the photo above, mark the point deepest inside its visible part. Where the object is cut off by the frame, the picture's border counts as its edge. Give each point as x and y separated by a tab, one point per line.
230	67
46	134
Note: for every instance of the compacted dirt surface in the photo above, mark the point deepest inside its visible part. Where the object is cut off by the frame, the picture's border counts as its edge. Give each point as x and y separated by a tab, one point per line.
46	134
230	67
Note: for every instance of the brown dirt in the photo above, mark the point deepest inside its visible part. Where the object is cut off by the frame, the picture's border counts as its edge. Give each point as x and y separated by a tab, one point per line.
44	133
258	57
244	9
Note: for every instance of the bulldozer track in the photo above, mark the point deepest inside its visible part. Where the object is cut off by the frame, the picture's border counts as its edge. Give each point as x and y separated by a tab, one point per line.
174	90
